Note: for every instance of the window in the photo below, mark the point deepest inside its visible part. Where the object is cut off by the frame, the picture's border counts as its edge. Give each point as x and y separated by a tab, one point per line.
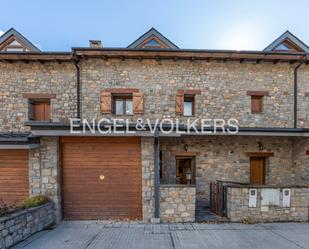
256	104
152	44
39	109
122	104
188	107
185	170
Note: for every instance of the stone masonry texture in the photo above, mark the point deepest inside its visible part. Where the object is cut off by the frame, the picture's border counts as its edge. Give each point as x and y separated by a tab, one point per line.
18	78
147	177
223	95
177	203
238	206
224	158
21	225
223	88
44	172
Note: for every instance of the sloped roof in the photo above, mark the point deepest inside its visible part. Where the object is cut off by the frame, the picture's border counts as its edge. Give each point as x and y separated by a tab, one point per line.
20	38
287	37
153	33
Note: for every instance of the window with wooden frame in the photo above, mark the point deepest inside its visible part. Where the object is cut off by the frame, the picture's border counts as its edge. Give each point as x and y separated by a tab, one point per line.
39	109
256	104
185	102
126	101
257	99
188	105
185	170
122	104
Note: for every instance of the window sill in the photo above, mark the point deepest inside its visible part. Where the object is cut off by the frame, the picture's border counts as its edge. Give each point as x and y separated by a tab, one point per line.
257	113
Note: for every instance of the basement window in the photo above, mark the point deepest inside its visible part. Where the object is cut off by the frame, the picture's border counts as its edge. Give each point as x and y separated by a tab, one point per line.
123	104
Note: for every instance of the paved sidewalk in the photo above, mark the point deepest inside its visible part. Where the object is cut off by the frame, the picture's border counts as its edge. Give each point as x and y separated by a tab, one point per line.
101	235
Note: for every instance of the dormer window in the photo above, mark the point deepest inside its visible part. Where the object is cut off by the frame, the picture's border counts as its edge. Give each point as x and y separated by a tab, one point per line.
282	47
152	44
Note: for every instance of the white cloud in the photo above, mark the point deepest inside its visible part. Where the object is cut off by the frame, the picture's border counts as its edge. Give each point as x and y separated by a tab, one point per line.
1	32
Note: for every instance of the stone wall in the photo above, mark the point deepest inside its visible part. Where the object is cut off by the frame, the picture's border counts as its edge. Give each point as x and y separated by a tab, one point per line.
21	225
33	77
301	160
147	177
44	172
238	206
177	203
223	88
224	158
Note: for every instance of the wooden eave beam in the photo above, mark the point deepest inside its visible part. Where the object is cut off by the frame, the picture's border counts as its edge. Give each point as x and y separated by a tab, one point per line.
35	57
260	57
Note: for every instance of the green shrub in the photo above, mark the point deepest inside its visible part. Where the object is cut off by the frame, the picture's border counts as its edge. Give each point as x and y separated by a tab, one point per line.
34	201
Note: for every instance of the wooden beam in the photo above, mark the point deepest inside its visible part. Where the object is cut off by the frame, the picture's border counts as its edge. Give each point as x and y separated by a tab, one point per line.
257	93
307	152
39	95
259	154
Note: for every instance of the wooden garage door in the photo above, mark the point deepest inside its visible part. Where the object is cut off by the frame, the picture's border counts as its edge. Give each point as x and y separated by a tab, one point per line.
14	178
101	178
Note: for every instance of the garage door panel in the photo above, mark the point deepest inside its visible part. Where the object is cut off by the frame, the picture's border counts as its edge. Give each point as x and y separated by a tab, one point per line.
14	176
85	195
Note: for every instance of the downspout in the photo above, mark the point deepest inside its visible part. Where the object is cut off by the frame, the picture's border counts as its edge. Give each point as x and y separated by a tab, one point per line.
295	92
157	174
78	87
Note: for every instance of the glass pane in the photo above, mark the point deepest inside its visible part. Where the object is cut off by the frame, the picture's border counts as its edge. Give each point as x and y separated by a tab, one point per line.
282	47
129	107
152	43
119	107
187	110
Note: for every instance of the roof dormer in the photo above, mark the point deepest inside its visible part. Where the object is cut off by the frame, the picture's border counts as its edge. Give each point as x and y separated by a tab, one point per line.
287	42
153	39
13	41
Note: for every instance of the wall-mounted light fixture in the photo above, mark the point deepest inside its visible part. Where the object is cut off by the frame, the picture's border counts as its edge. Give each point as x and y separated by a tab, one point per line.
261	146
186	147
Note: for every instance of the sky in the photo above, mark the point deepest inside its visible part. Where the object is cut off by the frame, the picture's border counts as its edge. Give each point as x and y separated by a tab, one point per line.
58	25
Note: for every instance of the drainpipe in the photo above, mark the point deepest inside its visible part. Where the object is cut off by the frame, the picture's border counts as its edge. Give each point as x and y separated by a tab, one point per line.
157	174
78	86
295	92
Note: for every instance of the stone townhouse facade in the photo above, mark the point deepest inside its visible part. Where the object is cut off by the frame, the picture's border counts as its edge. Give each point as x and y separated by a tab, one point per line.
148	176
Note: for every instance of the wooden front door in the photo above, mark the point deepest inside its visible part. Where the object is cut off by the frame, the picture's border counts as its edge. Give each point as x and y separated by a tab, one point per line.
101	178
257	170
14	176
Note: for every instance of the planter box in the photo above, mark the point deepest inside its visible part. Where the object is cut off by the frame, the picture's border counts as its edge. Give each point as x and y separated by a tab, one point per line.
18	226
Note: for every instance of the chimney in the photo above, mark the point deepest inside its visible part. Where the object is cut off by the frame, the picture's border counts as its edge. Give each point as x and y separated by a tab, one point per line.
95	44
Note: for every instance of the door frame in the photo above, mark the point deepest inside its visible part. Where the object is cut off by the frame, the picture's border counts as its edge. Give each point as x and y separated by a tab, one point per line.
263	159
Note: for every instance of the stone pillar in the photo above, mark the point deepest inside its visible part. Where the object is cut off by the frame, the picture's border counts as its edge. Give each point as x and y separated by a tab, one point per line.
147	144
44	172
